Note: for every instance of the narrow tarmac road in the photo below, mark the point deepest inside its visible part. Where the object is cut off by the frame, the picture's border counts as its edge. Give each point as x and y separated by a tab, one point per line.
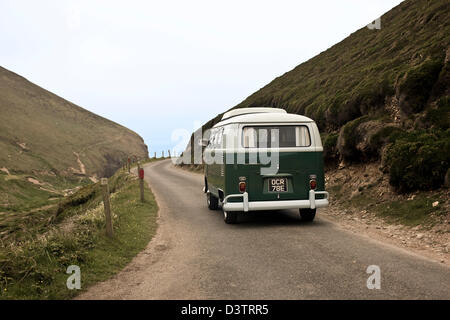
268	255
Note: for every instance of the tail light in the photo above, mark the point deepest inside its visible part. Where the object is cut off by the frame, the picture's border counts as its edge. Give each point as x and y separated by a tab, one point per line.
242	187
312	184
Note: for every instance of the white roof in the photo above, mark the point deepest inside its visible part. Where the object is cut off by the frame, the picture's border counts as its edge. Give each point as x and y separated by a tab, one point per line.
265	117
241	111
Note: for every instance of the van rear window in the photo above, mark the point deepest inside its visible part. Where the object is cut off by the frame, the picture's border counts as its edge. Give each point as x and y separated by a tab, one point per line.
275	136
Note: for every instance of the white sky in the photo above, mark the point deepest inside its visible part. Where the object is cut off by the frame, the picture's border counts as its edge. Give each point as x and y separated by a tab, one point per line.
155	66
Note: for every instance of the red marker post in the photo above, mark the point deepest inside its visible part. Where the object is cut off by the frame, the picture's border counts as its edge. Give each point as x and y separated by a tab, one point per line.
141	182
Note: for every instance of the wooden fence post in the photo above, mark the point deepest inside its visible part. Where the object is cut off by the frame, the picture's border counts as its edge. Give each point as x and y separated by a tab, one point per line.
107	205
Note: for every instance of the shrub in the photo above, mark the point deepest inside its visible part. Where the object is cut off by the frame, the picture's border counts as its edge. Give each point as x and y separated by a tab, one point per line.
384	136
440	116
372	95
419	160
418	85
329	147
83	195
330	141
349	139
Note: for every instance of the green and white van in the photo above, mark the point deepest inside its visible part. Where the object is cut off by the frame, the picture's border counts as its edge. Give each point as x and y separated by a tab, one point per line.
264	159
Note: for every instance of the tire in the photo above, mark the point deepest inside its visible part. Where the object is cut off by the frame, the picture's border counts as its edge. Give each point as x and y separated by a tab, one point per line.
212	201
307	215
230	217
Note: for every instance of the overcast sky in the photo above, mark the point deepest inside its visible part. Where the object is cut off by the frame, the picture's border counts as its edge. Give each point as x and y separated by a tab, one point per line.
157	66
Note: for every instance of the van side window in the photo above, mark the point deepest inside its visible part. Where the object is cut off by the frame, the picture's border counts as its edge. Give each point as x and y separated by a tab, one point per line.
219	137
229	137
273	136
216	137
211	138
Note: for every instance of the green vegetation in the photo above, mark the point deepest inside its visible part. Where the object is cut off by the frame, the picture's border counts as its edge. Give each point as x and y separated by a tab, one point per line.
418	85
419	160
20	195
439	117
35	256
417	210
351	138
411	212
384	136
329	146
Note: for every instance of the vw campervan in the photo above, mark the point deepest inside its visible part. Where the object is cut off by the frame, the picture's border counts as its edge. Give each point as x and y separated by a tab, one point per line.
264	159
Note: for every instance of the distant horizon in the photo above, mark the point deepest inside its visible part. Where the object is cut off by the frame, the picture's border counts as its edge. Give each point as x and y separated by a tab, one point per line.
156	70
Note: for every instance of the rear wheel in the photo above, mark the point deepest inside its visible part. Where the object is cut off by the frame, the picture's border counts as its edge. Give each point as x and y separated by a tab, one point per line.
307	214
230	217
212	201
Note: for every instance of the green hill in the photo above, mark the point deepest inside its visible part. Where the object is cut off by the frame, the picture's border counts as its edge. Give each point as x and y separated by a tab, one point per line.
49	146
379	95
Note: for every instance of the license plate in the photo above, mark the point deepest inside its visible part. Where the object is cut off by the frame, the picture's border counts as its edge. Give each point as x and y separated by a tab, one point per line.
278	185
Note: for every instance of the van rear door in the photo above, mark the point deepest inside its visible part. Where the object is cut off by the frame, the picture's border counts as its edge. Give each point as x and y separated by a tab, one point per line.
295	162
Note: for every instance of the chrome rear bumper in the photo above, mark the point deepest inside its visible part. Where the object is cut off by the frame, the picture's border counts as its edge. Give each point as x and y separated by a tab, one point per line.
246	205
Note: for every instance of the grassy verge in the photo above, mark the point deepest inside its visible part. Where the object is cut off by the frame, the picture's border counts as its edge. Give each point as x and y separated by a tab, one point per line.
18	194
33	262
408	210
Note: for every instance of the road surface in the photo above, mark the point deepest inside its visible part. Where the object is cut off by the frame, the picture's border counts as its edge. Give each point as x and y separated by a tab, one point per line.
268	255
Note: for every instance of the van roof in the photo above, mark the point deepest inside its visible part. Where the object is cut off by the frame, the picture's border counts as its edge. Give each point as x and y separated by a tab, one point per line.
242	111
263	117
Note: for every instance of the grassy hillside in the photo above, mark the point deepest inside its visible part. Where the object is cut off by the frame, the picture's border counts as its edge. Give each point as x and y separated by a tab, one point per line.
35	253
48	145
379	95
